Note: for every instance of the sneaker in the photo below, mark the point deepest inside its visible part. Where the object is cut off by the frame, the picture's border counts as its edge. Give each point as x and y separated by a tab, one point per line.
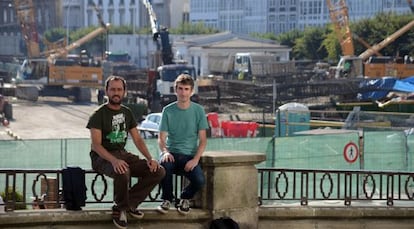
164	207
137	214
184	206
119	218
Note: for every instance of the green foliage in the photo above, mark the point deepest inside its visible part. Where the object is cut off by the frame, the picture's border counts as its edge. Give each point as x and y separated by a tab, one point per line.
331	45
121	30
189	28
310	45
18	196
376	29
55	34
95	46
289	38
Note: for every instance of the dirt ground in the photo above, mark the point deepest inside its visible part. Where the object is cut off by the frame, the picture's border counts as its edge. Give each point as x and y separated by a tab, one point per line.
52	117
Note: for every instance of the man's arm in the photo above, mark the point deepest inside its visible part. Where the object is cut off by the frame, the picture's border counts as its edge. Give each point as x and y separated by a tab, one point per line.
162	144
142	147
166	156
202	143
139	143
120	166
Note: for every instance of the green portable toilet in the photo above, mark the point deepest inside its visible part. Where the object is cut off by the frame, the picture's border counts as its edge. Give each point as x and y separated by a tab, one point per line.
290	118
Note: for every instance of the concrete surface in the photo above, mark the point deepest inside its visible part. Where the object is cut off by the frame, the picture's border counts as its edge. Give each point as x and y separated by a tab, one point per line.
48	118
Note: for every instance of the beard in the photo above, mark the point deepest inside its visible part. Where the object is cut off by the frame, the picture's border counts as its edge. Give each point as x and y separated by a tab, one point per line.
113	101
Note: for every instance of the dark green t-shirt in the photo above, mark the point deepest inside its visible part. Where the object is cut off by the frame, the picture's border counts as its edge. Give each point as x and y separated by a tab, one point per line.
114	125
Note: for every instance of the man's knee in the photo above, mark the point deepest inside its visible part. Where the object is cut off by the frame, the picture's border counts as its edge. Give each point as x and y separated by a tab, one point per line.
168	167
125	177
160	173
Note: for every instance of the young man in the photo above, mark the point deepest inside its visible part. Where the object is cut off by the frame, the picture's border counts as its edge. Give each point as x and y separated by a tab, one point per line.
182	140
109	127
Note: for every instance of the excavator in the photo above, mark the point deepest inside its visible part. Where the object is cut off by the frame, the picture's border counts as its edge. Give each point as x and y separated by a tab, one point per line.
369	63
55	72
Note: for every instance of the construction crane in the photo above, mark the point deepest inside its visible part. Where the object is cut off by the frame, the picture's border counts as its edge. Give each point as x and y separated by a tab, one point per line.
338	11
160	90
365	64
25	14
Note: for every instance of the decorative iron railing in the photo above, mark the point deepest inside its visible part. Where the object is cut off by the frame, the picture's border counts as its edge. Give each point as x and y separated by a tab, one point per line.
42	188
304	185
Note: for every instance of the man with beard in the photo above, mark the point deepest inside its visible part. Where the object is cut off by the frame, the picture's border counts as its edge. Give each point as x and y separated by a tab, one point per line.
109	127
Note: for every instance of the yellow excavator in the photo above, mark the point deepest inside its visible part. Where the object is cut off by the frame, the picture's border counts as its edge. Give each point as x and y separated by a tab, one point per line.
368	63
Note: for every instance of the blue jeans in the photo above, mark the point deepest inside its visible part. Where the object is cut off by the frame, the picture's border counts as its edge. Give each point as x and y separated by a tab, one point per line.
196	177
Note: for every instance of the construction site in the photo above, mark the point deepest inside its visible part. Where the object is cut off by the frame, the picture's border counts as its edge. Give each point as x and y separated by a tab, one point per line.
236	82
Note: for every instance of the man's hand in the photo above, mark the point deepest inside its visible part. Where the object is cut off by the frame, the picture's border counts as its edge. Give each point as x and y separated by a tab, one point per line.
167	157
120	166
153	165
190	165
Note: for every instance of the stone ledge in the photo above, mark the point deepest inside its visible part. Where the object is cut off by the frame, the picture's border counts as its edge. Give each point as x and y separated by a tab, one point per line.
335	212
92	216
217	158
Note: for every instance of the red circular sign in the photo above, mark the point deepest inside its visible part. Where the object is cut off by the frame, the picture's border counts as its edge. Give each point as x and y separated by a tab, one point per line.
351	152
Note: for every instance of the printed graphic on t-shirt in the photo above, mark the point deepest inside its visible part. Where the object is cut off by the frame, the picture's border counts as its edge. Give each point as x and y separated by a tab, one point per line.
118	133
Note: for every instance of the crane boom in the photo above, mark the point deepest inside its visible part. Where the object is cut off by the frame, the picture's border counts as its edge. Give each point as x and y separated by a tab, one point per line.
338	11
56	53
161	33
388	40
25	14
64	51
155	27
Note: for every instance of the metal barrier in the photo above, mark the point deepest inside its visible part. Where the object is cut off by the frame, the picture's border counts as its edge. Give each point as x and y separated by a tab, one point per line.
304	185
44	188
275	185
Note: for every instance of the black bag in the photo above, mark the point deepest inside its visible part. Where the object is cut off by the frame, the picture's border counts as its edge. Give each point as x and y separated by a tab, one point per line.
224	223
74	188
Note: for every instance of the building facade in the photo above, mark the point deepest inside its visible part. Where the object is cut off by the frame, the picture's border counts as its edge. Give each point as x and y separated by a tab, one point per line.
279	16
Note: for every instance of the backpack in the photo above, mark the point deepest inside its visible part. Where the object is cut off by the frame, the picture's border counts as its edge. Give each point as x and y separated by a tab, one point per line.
224	223
74	188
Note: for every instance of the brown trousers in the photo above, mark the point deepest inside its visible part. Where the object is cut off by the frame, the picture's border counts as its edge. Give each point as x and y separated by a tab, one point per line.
124	196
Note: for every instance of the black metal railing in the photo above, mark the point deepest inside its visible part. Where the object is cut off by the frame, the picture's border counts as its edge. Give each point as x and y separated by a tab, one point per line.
42	188
304	185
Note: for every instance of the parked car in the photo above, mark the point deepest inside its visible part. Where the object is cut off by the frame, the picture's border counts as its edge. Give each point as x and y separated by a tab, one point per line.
149	126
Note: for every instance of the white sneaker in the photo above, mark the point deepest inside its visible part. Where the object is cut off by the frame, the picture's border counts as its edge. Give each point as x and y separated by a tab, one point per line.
184	206
164	207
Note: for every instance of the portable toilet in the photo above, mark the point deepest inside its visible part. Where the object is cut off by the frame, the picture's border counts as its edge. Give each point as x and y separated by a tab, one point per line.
290	118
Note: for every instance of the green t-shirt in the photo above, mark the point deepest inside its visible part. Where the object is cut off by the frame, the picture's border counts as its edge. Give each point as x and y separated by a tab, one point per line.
182	127
114	125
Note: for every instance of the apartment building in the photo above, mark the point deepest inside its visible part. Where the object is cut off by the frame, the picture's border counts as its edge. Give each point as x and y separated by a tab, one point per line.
278	16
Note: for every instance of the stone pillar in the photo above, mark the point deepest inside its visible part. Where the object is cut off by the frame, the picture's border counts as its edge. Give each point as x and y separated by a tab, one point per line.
231	186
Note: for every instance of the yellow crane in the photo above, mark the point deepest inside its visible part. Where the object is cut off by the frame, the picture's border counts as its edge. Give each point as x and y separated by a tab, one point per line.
365	64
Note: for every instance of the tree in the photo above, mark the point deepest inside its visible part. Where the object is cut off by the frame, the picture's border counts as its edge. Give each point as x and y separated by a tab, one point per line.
309	46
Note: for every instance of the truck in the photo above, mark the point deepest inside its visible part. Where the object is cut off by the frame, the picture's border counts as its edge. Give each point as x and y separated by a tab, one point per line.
164	68
366	64
248	65
58	73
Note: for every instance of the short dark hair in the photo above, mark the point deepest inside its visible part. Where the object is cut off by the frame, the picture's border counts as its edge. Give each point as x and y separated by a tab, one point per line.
115	78
184	79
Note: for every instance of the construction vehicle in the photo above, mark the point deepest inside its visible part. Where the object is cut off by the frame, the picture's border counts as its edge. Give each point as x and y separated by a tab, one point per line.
365	64
58	73
248	65
164	69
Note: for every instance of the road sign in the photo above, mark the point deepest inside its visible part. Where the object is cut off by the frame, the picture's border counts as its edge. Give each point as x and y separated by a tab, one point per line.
351	152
